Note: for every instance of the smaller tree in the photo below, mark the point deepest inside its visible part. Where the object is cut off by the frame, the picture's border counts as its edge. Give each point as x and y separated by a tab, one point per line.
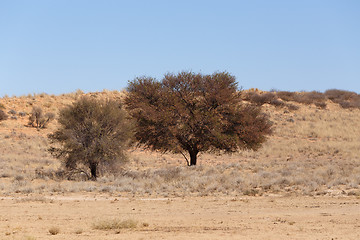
38	119
91	133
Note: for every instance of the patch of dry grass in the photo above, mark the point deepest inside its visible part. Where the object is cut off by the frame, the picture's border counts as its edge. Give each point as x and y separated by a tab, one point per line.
115	224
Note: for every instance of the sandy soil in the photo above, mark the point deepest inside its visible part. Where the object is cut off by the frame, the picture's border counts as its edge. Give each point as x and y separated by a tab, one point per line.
271	217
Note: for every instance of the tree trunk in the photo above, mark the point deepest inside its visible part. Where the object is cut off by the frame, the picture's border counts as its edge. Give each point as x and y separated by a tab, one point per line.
193	157
93	171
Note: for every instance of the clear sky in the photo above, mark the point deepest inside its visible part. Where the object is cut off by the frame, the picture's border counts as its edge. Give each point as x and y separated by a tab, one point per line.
61	46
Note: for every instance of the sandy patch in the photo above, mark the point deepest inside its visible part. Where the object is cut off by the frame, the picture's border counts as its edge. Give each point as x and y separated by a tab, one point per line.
182	218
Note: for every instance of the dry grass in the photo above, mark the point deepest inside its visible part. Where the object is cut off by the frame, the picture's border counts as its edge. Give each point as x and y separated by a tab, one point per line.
344	99
115	224
313	151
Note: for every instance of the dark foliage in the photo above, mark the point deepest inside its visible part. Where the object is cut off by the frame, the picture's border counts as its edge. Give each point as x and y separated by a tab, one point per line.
337	95
194	113
277	103
260	99
12	112
93	133
3	115
38	119
345	99
265	98
286	95
321	105
22	114
291	107
310	97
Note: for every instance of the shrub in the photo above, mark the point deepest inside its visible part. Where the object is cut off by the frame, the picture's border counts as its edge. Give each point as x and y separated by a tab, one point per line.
79	231
345	99
92	133
115	224
337	96
286	95
262	98
22	114
277	103
3	115
12	112
194	113
310	97
321	105
54	230
313	97
38	119
292	107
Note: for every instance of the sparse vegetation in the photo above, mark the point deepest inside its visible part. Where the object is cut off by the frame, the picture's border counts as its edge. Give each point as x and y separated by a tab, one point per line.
92	133
54	230
79	231
38	119
194	113
261	99
313	97
311	152
30	238
115	224
3	115
345	99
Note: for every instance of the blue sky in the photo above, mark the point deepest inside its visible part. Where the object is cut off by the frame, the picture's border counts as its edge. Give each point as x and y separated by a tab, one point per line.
60	46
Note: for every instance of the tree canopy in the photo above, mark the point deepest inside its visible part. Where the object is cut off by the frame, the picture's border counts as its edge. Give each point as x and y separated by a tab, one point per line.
91	133
192	113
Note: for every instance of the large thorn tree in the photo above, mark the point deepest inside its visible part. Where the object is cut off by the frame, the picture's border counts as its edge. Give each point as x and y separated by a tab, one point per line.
92	133
189	113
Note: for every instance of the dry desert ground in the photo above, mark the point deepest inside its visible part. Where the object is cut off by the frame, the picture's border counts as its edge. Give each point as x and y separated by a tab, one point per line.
302	184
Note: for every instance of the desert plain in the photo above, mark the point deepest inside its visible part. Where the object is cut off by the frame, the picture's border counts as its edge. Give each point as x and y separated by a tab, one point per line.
304	183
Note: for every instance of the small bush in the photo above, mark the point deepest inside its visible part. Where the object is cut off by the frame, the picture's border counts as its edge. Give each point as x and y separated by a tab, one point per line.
292	107
264	98
260	99
345	99
277	103
321	105
5	175
12	112
78	231
38	119
19	178
115	224
310	97
22	114
345	104
54	230
286	96
337	96
3	115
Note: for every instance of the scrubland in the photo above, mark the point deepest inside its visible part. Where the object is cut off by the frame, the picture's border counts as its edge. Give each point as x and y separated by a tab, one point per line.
313	153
